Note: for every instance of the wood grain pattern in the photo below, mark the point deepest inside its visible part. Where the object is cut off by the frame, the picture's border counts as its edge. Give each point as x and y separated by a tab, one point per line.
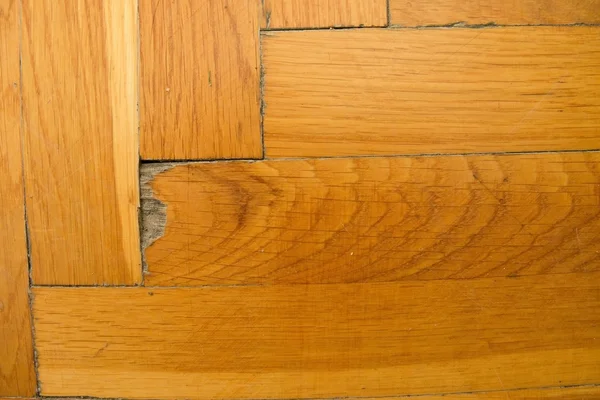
316	341
17	377
394	91
377	219
562	393
499	12
79	104
200	79
323	13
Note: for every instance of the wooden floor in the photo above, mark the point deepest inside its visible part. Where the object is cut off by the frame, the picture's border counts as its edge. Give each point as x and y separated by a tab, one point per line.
300	199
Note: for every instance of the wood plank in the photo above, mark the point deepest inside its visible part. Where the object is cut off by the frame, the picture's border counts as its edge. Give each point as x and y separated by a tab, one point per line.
17	376
278	14
512	12
200	79
317	341
377	219
395	91
81	162
560	393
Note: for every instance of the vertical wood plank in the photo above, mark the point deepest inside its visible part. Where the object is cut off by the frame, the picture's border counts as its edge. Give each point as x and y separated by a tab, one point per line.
81	147
200	79
499	12
17	376
323	13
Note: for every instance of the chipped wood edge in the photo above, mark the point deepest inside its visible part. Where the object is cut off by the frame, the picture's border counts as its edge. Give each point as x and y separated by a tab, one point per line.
153	212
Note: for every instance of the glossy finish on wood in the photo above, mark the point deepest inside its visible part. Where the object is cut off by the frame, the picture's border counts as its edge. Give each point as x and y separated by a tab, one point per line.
314	341
298	14
200	79
395	91
377	219
17	377
499	12
80	134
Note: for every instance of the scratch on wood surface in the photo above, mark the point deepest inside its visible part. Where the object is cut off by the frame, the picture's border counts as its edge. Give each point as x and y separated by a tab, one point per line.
153	215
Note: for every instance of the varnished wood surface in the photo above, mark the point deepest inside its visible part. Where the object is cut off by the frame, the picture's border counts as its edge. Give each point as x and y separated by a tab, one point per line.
299	14
200	79
407	91
316	341
343	265
499	12
80	134
377	219
17	377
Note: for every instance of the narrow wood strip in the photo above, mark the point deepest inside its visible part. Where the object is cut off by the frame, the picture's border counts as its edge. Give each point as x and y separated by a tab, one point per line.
317	341
376	219
17	376
200	79
81	147
559	393
395	91
279	14
500	12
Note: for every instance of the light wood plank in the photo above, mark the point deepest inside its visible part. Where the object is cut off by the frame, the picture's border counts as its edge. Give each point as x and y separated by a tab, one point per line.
279	14
560	393
200	79
377	219
369	91
499	12
79	103
17	377
316	341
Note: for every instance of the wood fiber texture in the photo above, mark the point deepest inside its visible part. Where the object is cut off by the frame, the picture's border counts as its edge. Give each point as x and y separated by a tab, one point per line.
377	219
318	341
80	135
17	377
200	79
499	12
299	14
409	91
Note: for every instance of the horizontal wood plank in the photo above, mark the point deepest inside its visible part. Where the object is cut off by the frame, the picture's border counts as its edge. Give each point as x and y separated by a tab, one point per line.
314	341
279	14
397	91
200	79
17	377
499	12
81	141
376	219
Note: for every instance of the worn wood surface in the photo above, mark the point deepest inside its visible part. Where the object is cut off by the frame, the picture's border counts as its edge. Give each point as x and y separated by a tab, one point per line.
200	79
377	219
80	134
299	14
17	377
499	12
315	341
395	91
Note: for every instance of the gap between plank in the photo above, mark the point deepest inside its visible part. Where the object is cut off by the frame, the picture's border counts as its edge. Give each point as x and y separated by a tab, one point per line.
25	217
456	25
401	396
252	160
268	285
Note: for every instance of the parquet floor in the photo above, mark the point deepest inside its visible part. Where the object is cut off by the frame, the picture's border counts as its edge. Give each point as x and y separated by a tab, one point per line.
300	199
